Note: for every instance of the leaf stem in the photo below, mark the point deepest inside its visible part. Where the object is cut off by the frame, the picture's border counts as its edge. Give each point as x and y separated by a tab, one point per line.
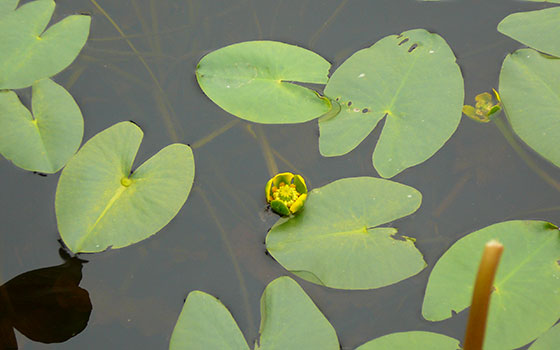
476	326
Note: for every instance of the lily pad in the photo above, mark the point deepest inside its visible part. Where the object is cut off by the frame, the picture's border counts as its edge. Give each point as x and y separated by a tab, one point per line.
414	340
412	80
537	29
256	81
530	92
30	53
335	240
45	141
7	6
100	203
289	320
525	300
549	340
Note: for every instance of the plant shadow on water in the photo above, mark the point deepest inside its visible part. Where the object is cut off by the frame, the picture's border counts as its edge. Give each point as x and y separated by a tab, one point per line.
145	73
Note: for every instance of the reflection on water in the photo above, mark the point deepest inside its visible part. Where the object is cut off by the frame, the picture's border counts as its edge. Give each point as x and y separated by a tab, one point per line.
46	305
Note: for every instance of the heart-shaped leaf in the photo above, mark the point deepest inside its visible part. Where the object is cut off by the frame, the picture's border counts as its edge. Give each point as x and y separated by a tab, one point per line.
45	141
413	80
7	6
30	53
549	340
530	92
537	29
415	340
525	300
289	320
334	241
255	81
100	204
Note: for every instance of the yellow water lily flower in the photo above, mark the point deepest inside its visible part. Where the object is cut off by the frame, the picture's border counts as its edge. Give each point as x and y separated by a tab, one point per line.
484	107
286	193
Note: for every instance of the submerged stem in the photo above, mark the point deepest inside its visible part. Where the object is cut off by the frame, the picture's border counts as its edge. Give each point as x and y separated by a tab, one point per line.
476	326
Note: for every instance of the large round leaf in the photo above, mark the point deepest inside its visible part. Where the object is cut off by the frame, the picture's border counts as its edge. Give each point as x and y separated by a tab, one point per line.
289	320
334	241
412	79
549	340
537	29
28	53
7	6
45	141
255	81
415	340
205	323
100	204
530	92
525	300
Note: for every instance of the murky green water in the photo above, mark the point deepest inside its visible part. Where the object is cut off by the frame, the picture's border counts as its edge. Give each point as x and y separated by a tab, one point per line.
215	243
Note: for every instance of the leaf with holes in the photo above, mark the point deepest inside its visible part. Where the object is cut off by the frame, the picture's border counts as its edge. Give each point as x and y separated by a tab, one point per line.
414	340
548	340
257	81
100	204
530	93
334	241
412	79
525	300
537	29
289	320
45	141
30	53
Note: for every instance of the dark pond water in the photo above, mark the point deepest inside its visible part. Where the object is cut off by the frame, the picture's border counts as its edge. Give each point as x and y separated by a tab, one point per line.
215	243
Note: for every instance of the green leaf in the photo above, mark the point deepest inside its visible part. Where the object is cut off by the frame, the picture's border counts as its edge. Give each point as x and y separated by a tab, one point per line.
28	52
530	93
414	81
415	340
549	340
551	1
7	6
205	323
537	29
289	320
255	81
525	301
100	205
45	141
334	241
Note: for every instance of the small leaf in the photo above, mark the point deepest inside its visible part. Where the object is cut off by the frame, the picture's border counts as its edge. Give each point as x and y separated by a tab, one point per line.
255	81
97	208
334	241
28	53
45	141
415	340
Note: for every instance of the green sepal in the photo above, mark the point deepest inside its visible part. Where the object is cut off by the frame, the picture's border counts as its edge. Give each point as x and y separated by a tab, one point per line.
300	184
282	177
268	191
280	207
298	204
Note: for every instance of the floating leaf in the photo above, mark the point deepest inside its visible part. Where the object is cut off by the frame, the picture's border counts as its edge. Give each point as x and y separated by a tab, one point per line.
414	81
7	6
334	241
537	29
415	340
530	92
549	340
525	301
45	141
290	320
28	52
255	81
100	204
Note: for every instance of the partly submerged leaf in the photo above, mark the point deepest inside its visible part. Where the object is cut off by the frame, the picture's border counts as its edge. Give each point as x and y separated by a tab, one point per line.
414	81
28	52
549	340
530	92
334	241
537	29
414	340
255	81
525	301
205	323
99	204
289	320
45	141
